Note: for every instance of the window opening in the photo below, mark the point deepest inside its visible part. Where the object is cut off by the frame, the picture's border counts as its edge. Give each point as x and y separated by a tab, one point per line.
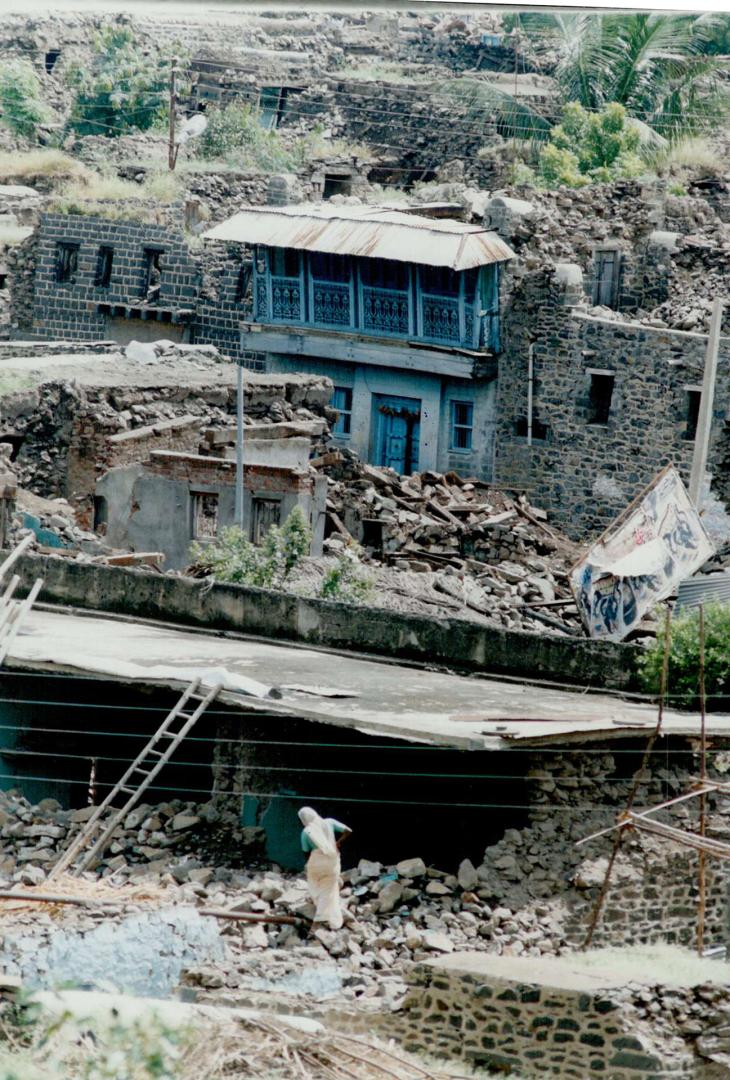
104	262
607	271
50	60
599	400
264	514
440	281
284	262
336	185
271	106
694	399
342	401
101	512
462	425
152	274
325	267
242	282
384	273
3	280
205	515
67	262
539	430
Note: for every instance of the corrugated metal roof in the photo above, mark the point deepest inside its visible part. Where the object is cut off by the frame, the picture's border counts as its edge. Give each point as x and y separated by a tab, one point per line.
703	589
367	232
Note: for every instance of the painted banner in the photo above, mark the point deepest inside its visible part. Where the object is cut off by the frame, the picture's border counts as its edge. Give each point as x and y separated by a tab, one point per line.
640	559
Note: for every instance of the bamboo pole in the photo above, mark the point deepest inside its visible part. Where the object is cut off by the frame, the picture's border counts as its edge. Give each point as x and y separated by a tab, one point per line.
701	865
601	898
254	917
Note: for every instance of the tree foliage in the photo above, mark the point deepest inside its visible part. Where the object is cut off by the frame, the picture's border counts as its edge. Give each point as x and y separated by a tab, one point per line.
684	658
590	148
233	558
234	134
657	66
124	87
21	105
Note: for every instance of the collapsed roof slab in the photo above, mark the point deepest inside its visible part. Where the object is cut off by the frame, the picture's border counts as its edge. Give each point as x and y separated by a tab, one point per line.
375	697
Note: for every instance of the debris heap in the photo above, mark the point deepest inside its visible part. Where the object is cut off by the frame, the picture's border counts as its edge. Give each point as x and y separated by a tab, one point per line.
477	549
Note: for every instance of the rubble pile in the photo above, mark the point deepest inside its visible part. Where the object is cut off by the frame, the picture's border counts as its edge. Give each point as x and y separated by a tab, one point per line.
395	914
486	551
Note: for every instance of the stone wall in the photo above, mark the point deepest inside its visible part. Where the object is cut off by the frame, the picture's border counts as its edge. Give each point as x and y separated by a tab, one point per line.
458	643
548	1017
585	473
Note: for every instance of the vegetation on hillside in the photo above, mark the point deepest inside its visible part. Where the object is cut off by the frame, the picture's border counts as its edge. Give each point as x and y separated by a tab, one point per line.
21	100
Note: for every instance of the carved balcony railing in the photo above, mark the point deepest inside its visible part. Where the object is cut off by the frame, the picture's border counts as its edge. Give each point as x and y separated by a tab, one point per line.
286	299
331	304
385	312
440	319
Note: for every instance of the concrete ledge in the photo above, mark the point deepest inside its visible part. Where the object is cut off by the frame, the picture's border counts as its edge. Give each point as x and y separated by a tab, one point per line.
454	643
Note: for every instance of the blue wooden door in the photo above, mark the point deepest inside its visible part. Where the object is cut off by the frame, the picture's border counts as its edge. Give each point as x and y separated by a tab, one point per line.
397	432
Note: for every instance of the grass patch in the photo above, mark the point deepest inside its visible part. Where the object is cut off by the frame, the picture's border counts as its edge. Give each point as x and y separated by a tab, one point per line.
106	195
687	157
54	164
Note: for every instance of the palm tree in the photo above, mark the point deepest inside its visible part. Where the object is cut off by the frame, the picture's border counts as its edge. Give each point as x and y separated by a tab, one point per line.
656	66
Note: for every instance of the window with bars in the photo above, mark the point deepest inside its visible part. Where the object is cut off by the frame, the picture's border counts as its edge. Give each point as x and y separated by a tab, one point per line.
205	514
342	401
462	425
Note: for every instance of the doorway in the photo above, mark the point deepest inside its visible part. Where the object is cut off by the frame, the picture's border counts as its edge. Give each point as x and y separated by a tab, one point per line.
397	427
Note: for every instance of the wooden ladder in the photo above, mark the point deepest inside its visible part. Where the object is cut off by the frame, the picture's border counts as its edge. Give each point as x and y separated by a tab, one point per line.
135	781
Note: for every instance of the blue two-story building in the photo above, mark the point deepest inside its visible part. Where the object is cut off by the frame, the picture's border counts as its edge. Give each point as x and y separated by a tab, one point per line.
400	310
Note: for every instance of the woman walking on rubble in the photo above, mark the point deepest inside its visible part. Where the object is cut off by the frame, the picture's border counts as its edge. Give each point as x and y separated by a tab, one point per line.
320	840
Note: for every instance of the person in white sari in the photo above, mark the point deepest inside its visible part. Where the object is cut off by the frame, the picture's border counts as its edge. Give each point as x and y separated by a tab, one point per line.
321	838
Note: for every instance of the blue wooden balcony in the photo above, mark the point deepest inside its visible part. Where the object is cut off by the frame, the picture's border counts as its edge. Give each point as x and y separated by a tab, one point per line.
378	298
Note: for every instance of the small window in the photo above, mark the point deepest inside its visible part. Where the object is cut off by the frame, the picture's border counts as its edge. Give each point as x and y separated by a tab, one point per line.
3	280
67	262
101	513
152	274
342	401
539	430
384	273
50	60
337	185
694	398
462	425
264	514
205	515
284	262
329	267
599	401
242	282
104	262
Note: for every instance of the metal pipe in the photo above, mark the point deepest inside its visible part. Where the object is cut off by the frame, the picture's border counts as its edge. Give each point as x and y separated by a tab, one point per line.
530	379
238	512
704	420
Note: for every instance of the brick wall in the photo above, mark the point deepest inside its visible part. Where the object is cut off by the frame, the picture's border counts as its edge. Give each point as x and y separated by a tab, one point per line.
68	309
97	446
195	469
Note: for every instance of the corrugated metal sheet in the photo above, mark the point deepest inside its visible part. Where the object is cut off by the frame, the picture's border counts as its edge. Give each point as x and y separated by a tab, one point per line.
704	589
366	232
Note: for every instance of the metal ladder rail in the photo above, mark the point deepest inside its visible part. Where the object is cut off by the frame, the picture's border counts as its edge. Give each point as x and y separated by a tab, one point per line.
90	827
11	626
99	845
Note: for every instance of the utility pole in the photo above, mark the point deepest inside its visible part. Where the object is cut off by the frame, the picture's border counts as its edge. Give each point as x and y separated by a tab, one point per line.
704	420
171	148
238	505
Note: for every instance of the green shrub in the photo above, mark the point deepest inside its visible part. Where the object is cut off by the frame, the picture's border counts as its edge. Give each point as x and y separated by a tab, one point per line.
123	87
684	658
234	559
21	104
345	581
234	134
591	148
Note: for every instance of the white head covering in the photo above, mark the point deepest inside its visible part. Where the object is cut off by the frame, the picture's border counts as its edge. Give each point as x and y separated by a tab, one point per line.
318	830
